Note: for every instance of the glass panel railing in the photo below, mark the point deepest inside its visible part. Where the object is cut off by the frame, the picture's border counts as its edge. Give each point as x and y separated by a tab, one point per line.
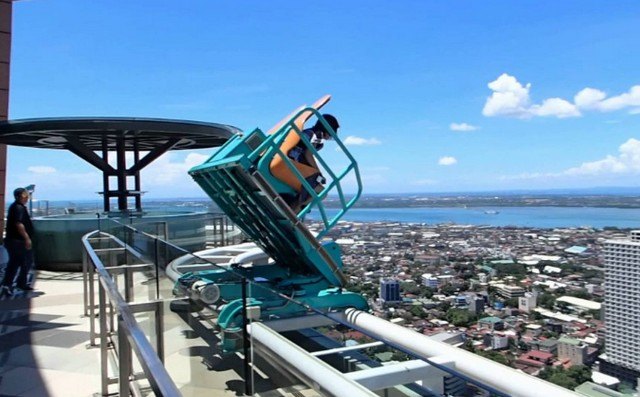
173	317
194	308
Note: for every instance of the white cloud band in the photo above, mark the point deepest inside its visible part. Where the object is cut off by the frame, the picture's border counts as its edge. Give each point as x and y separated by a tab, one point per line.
447	160
358	141
512	99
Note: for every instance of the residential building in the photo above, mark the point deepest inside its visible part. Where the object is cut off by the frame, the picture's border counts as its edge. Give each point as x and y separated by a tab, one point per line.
536	358
496	341
429	281
509	291
527	302
573	350
622	302
492	323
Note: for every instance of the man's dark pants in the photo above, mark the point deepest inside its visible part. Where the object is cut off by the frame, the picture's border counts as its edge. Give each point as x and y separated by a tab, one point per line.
19	262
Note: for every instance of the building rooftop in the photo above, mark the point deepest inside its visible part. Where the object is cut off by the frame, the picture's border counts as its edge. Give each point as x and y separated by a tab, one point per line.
591	389
490	320
584	303
539	354
569	340
576	249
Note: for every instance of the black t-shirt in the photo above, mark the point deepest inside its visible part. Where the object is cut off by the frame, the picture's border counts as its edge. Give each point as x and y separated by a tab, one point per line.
18	214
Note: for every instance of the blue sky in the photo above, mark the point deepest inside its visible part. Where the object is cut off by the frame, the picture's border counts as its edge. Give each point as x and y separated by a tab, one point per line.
432	96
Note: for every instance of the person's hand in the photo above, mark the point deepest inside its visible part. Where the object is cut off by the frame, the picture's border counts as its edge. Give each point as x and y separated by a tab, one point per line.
28	243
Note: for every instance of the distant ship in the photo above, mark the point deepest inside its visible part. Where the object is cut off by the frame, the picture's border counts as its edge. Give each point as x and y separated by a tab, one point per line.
492	212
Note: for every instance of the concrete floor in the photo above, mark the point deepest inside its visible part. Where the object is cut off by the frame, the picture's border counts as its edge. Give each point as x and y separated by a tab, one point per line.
44	341
45	351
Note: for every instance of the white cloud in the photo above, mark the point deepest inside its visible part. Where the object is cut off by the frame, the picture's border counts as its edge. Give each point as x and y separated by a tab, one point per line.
588	98
628	161
358	141
447	160
510	98
555	107
593	99
55	185
462	127
41	169
169	174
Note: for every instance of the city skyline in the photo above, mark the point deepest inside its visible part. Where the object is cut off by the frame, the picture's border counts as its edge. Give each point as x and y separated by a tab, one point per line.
431	97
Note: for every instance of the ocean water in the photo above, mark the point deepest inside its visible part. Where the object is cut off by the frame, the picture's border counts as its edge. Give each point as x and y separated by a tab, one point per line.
540	217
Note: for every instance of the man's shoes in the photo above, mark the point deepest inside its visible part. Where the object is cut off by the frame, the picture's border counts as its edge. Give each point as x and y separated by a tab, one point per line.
26	288
6	291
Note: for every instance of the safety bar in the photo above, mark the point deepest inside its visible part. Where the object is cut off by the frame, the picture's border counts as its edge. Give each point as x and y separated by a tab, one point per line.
273	143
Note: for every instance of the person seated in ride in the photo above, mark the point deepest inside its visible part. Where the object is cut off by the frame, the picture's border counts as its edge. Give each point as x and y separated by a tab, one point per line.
301	153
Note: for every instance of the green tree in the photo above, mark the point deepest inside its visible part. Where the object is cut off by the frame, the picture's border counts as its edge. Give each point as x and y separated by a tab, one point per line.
426	292
511	302
494	356
546	300
535	316
517	270
581	293
448	289
569	379
410	288
418	311
460	317
581	373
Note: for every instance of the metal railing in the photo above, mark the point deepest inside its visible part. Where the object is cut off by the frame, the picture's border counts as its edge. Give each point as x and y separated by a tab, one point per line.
125	335
119	253
111	262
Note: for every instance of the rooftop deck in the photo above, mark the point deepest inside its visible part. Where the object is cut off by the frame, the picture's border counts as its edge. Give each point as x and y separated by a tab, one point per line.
44	349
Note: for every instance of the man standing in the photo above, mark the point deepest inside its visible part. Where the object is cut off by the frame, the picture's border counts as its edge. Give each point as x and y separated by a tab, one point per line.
18	243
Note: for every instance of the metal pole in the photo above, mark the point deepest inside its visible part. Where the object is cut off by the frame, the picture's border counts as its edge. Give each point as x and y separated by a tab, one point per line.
159	313
128	285
223	227
214	220
85	278
92	306
121	169
248	375
104	358
156	252
105	178
124	360
136	176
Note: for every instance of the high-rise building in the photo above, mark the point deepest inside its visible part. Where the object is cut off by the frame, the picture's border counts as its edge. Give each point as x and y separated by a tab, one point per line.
622	302
390	290
476	305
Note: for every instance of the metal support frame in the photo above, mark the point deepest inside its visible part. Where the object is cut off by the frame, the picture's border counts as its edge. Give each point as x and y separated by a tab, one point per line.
105	177
246	342
496	378
315	373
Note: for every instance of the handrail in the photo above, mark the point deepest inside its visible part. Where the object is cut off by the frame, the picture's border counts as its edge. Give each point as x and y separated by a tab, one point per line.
158	377
471	368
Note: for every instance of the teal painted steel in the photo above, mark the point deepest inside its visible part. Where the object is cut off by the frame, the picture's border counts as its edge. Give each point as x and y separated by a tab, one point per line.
306	275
